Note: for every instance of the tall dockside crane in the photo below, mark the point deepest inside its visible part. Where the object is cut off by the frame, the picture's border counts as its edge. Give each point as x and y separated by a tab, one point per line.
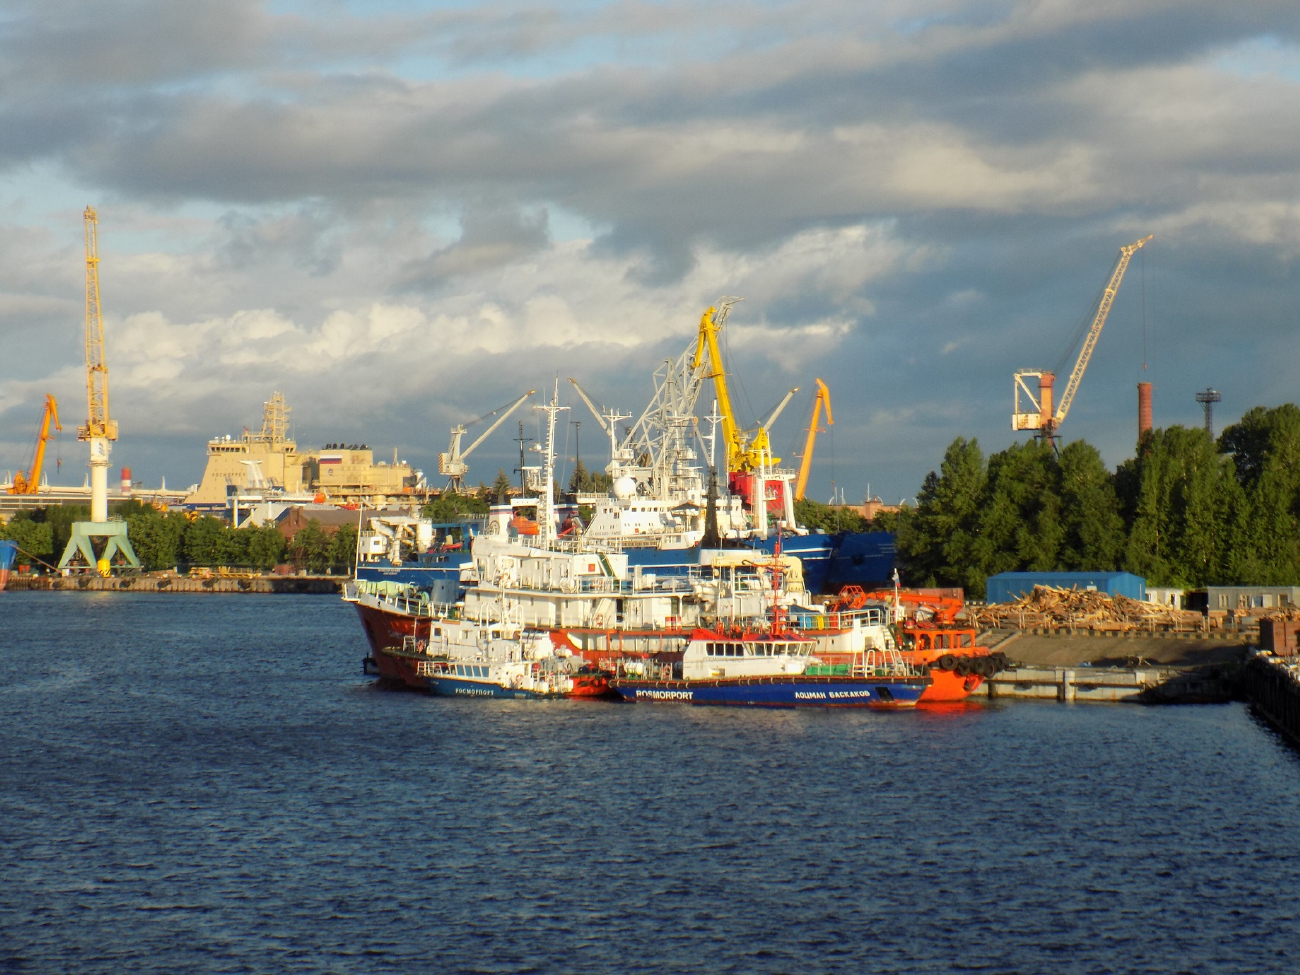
747	450
1042	418
30	482
805	465
100	430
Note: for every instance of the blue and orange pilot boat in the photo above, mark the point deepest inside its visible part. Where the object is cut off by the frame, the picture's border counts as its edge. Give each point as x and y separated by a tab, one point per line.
773	668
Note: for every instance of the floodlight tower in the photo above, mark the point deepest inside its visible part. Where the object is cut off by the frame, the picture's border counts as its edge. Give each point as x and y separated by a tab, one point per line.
1207	398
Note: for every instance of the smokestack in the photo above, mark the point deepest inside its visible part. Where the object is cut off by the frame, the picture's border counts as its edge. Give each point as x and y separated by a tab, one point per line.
1144	409
126	481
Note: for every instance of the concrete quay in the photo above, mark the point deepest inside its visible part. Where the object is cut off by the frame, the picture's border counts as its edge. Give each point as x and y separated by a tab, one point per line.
173	583
1109	684
1146	668
1272	686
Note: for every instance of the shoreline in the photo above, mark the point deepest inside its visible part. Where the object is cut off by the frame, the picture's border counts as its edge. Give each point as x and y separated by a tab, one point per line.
259	585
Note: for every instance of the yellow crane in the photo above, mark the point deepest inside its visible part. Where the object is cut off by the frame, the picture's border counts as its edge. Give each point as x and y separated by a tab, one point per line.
747	450
100	430
1042	418
823	396
30	482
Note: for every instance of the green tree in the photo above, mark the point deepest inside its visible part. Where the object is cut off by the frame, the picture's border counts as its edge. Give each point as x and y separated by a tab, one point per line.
342	552
584	481
501	486
34	538
1019	525
829	518
449	506
1265	532
203	541
1090	512
309	548
1180	497
937	541
265	546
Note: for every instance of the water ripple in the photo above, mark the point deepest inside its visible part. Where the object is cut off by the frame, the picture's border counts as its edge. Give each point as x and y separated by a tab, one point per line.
207	784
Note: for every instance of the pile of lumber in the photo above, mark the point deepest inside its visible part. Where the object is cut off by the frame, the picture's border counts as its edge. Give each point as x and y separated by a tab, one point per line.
1055	608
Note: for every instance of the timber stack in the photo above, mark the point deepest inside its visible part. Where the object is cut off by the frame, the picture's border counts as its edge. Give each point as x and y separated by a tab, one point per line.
1078	609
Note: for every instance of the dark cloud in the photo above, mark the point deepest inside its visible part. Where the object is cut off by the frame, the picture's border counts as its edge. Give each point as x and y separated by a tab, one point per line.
491	237
916	198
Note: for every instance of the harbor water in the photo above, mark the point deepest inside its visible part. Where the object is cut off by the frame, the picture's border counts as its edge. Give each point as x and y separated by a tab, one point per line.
208	783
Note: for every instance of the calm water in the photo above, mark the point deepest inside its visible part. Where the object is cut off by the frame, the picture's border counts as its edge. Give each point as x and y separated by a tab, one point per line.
209	784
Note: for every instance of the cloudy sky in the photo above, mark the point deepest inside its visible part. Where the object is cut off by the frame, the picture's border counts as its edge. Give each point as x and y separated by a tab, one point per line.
405	214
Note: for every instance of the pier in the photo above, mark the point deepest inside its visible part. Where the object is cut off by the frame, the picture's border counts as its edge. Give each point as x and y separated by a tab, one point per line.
173	583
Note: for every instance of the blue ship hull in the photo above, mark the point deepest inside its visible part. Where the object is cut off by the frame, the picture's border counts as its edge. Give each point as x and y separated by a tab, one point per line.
458	687
779	692
829	563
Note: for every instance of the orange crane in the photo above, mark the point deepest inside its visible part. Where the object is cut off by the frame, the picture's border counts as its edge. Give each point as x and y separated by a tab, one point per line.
30	483
823	395
1042	417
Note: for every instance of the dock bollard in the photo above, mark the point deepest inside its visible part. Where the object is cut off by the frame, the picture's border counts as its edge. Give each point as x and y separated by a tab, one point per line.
1067	690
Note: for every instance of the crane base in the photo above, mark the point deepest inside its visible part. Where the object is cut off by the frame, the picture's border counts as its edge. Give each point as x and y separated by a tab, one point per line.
80	544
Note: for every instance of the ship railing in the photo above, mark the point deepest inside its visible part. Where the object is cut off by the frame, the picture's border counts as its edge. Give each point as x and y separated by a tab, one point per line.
413	645
884	663
845	619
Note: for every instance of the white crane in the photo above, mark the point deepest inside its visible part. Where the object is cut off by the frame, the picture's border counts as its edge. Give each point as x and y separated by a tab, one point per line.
451	464
1042	417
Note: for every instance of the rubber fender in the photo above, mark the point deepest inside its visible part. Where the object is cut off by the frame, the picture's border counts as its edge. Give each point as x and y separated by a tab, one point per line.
965	667
946	662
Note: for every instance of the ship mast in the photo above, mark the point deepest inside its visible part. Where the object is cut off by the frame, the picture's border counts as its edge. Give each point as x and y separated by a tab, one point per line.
548	515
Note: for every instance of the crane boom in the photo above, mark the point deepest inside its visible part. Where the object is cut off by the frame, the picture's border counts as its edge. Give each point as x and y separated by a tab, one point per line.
1103	309
452	464
710	325
30	482
505	415
98	422
747	450
823	395
1043	418
595	410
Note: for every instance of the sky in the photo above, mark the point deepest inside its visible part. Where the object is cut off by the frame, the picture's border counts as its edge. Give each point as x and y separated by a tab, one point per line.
404	215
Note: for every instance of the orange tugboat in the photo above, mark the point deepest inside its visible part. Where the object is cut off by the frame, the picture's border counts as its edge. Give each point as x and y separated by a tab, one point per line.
928	634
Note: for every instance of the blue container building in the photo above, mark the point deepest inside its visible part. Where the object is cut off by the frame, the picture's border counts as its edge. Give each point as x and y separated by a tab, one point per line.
1006	587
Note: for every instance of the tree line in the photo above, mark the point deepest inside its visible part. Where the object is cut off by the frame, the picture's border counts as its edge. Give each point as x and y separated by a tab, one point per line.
167	539
1186	511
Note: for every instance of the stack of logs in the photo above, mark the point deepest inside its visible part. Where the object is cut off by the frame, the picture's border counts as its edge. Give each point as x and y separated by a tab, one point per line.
1081	609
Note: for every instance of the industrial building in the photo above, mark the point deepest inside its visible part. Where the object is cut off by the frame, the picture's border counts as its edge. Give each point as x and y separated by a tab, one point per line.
268	463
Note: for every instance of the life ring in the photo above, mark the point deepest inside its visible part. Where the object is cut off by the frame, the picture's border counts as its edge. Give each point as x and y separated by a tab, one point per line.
517	680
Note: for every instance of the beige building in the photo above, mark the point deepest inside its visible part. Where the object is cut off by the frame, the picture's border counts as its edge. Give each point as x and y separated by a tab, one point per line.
269	461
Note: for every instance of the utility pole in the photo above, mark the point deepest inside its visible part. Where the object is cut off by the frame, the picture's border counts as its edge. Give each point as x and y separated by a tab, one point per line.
521	440
577	444
1207	398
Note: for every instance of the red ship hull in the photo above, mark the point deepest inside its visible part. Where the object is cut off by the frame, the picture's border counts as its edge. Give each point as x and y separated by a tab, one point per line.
386	631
